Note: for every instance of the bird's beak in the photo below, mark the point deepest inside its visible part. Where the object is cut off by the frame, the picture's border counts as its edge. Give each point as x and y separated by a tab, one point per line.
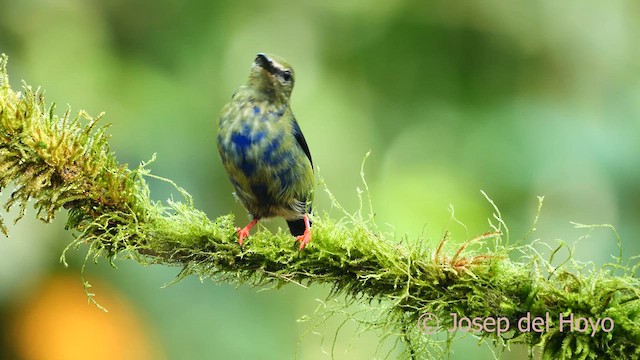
264	62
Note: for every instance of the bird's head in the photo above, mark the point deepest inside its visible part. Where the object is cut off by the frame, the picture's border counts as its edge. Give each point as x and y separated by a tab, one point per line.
272	76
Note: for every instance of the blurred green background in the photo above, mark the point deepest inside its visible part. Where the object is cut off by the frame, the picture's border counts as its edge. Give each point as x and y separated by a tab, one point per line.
516	98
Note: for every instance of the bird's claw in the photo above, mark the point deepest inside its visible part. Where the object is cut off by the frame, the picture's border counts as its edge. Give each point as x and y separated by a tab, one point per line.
242	234
304	239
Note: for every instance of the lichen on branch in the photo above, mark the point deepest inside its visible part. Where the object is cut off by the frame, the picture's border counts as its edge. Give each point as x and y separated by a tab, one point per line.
64	162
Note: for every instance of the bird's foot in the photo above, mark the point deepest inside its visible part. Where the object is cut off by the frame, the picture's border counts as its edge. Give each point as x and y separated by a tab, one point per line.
244	232
305	238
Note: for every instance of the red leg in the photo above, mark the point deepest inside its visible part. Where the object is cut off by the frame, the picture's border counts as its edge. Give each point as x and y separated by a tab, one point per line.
306	237
244	232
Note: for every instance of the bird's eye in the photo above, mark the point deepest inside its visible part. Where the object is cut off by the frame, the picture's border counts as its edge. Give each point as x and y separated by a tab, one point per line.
286	75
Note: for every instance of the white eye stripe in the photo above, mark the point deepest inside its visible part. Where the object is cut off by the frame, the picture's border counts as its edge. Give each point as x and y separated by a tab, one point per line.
282	71
276	64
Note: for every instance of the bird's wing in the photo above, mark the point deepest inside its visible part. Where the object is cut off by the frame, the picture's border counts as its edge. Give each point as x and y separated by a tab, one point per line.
297	133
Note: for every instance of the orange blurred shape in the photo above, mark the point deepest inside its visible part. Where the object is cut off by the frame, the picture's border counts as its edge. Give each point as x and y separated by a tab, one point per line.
57	323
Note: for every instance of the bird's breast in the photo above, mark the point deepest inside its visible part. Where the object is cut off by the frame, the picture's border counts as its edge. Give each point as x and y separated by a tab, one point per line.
269	170
253	137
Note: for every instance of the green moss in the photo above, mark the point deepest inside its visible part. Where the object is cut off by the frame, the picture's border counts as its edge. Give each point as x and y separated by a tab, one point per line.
64	162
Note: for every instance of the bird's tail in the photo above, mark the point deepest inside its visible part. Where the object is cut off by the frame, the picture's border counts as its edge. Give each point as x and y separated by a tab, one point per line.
297	226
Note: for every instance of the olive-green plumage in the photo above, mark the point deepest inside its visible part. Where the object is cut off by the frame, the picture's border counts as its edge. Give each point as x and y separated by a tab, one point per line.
263	149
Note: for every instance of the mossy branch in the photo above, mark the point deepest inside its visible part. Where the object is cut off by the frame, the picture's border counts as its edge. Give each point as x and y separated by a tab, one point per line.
65	162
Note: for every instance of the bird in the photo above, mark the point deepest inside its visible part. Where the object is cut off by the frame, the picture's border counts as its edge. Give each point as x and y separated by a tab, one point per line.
264	152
